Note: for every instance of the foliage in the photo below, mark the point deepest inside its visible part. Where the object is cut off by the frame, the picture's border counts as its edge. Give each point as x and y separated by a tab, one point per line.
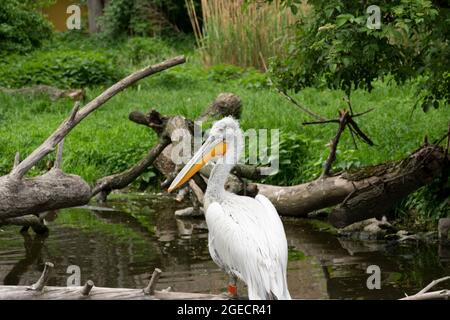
334	46
140	49
431	201
60	68
138	17
243	34
248	78
22	26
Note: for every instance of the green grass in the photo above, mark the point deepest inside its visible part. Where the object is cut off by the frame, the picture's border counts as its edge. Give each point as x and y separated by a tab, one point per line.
107	142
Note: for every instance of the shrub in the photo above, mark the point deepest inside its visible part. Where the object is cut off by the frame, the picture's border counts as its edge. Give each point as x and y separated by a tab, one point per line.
141	49
22	27
60	68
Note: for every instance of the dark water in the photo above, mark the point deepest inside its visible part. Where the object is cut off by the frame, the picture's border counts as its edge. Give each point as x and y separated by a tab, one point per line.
121	248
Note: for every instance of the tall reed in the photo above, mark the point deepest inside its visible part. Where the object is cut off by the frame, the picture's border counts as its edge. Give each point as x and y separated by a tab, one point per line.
240	33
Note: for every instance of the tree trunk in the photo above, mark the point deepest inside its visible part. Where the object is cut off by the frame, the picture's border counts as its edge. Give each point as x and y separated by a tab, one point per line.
365	193
95	10
53	190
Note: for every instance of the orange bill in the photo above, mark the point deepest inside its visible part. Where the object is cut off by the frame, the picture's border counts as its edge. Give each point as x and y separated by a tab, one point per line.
198	161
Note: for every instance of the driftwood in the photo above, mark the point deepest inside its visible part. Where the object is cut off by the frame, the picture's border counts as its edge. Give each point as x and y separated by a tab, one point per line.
393	180
98	293
383	185
424	294
39	291
55	189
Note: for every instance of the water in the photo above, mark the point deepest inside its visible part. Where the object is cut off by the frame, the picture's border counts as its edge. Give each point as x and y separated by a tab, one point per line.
120	248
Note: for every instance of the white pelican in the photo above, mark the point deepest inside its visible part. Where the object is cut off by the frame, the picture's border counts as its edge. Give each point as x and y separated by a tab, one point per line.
246	236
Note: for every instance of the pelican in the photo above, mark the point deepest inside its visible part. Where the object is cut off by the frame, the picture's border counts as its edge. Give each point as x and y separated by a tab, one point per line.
246	236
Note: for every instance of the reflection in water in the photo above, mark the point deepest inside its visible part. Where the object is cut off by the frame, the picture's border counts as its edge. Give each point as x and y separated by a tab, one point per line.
121	246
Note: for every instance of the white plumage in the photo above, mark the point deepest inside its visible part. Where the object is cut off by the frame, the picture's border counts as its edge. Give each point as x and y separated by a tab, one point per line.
246	235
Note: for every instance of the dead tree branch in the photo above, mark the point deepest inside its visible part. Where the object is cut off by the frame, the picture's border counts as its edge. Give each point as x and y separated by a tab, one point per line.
424	294
48	145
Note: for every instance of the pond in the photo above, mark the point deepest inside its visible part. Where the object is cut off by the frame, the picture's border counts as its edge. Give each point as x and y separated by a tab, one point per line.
121	245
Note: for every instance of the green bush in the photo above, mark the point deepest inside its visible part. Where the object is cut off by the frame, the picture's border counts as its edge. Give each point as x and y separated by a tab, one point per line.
142	49
248	78
333	45
22	27
60	68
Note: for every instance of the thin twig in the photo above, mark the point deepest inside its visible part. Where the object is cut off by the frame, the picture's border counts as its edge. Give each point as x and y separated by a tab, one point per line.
16	159
59	154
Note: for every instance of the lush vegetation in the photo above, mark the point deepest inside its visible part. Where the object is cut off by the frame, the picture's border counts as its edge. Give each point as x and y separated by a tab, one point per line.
22	28
323	67
337	45
247	36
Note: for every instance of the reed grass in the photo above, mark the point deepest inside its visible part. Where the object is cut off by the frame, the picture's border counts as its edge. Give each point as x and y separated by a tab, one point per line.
241	33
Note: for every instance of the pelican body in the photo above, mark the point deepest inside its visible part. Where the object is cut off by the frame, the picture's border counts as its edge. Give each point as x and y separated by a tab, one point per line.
246	236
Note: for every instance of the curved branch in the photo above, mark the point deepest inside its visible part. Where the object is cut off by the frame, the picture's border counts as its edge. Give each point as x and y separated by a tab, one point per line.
47	146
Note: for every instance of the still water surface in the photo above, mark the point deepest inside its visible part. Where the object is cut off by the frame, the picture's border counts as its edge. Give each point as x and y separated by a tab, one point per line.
122	246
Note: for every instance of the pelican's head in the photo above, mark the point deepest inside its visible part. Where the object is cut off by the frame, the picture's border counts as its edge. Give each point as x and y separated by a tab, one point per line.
224	142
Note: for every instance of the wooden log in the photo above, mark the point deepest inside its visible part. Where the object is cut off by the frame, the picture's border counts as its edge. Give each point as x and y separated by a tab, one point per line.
400	178
52	92
53	190
166	127
98	293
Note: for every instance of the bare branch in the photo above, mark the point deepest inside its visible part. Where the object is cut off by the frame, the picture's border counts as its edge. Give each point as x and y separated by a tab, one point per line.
16	159
69	124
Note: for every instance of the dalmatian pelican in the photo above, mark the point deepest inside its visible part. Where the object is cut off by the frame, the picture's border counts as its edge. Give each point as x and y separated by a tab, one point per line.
246	236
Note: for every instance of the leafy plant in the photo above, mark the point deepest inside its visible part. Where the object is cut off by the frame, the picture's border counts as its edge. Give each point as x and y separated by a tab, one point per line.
60	68
334	46
22	26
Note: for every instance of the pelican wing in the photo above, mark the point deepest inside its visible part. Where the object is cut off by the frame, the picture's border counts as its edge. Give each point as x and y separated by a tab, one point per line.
246	238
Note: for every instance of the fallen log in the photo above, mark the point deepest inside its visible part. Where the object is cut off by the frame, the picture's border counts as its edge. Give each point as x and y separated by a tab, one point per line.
98	293
398	180
395	180
40	291
52	92
55	189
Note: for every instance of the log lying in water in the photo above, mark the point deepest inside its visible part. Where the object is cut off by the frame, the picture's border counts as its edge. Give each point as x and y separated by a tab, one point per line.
39	291
97	293
362	194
